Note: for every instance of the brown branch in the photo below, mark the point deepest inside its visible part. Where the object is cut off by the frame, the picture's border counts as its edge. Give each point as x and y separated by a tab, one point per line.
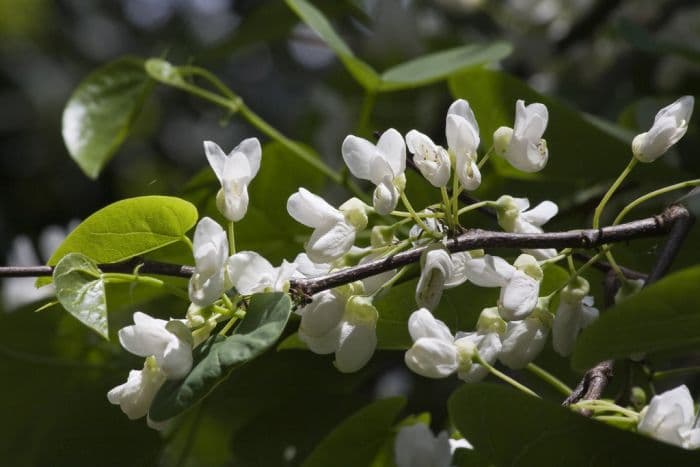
477	239
597	378
144	267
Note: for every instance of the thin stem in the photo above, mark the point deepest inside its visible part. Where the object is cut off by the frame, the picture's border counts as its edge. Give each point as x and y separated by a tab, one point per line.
546	376
227	326
555	259
572	266
504	377
390	282
122	278
675	372
599	405
653	194
447	209
486	157
616	184
416	217
474	206
456	190
231	238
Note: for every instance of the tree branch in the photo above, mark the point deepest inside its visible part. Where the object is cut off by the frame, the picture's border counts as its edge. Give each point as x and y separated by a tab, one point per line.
477	239
128	266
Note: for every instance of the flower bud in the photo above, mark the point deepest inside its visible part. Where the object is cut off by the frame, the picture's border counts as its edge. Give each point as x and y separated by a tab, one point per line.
355	212
670	124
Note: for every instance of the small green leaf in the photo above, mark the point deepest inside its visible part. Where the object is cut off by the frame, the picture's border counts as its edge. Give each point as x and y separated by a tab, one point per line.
314	18
437	66
661	317
128	228
359	438
81	291
215	359
510	428
99	114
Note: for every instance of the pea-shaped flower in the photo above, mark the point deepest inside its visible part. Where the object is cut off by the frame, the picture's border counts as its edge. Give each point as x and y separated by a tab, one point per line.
522	146
670	124
462	132
251	273
524	340
416	446
210	254
383	164
234	171
135	396
169	342
432	160
334	229
670	417
514	216
575	312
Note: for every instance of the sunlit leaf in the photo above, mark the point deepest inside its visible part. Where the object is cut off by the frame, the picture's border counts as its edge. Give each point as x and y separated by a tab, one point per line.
439	65
128	228
314	18
81	291
99	114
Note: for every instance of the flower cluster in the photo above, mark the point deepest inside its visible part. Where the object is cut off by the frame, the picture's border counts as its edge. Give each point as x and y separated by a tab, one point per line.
343	320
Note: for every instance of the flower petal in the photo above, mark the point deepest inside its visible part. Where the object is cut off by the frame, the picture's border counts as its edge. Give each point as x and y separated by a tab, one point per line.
422	323
432	358
357	343
358	154
393	149
312	210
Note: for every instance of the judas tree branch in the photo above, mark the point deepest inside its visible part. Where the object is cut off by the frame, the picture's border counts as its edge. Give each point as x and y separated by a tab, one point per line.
475	239
470	240
144	267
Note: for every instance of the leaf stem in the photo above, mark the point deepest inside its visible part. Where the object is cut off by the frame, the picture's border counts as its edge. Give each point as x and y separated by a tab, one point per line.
546	376
648	196
122	278
616	184
504	377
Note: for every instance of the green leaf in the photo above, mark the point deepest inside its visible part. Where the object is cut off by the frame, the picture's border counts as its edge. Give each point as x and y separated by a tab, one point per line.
438	66
359	438
661	317
128	228
314	18
99	114
81	291
215	359
510	428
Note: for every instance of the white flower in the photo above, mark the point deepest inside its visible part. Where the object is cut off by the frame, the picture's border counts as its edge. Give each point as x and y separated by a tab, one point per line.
436	268
670	124
462	133
169	342
334	231
383	164
308	269
575	312
520	293
524	340
670	417
523	145
234	171
432	160
210	254
251	273
415	446
134	397
437	354
340	323
513	216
